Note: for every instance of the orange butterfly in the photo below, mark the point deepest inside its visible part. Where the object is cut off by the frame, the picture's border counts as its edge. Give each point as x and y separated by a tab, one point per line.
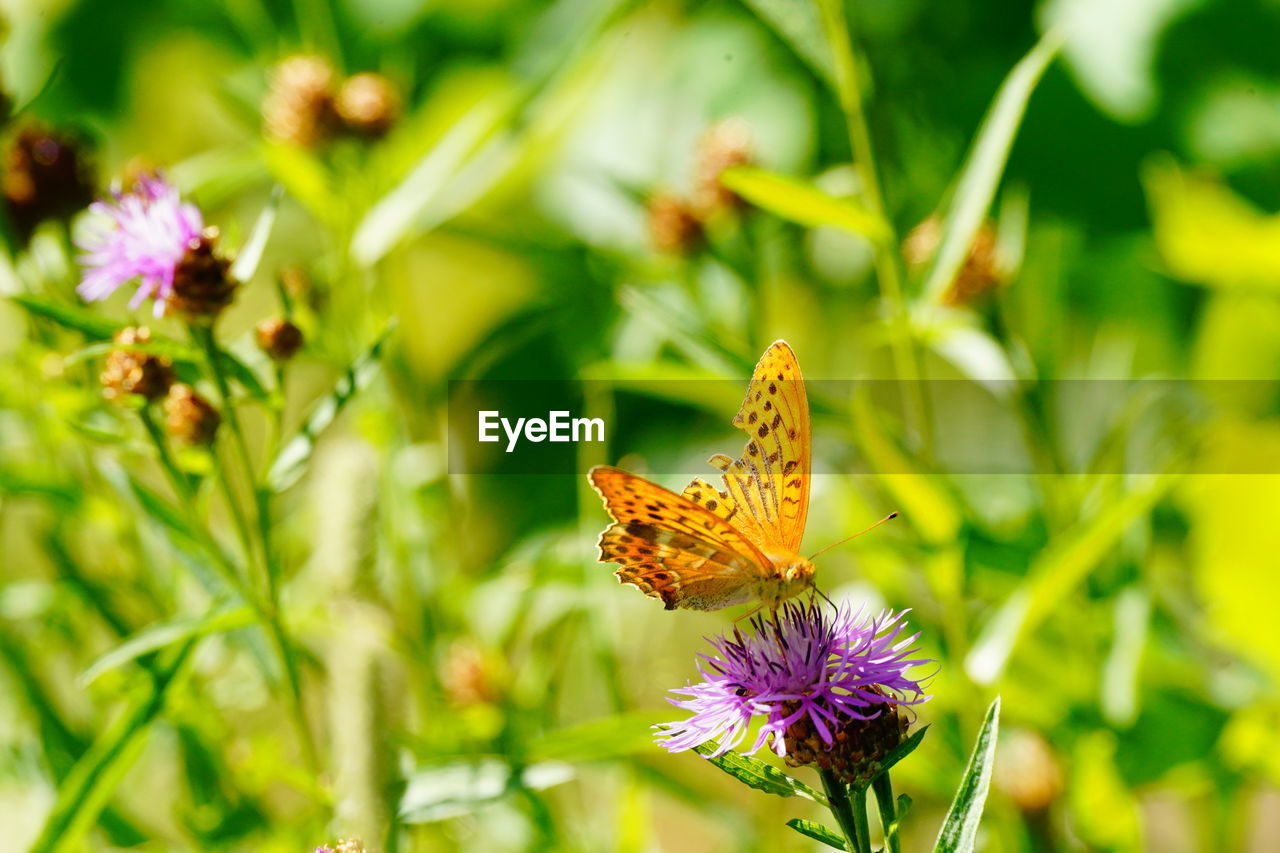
706	549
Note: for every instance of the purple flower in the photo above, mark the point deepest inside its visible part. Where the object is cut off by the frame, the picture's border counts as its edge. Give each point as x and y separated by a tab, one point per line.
142	234
806	665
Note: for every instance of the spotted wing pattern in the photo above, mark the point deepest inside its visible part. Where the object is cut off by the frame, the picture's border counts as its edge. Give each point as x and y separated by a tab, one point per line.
766	490
673	549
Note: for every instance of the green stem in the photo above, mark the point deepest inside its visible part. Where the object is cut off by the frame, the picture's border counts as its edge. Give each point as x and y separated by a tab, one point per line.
862	827
203	335
888	272
266	611
842	809
883	788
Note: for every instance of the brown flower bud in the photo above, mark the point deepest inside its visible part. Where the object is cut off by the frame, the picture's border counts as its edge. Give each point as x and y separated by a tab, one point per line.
132	371
859	745
368	104
465	678
727	143
190	417
202	283
299	106
279	338
45	177
1028	771
673	227
980	273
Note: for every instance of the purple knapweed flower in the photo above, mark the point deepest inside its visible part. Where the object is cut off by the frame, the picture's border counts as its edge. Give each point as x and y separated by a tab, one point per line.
825	670
139	235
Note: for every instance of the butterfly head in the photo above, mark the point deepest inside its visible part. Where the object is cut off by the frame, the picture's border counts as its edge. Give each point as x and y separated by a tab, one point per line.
794	577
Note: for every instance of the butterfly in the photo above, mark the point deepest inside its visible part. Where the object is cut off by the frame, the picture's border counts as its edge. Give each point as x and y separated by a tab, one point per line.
709	548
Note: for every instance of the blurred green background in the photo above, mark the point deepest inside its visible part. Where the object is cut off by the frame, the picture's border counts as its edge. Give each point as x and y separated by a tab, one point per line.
473	679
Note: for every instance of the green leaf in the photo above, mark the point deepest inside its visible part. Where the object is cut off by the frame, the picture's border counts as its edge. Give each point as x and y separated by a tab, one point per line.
799	25
756	774
69	316
304	177
985	166
242	374
1058	570
89	786
960	829
904	806
292	458
451	790
171	349
901	751
803	203
1208	234
405	206
164	634
161	510
818	832
598	740
246	263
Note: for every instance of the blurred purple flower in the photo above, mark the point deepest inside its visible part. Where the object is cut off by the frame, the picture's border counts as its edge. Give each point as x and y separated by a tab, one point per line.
141	234
807	664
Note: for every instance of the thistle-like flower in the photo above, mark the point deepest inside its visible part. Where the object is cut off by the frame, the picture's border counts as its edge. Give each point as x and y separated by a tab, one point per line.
806	673
140	235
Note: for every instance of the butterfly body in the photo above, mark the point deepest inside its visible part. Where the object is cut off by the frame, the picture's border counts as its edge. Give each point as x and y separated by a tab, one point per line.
709	548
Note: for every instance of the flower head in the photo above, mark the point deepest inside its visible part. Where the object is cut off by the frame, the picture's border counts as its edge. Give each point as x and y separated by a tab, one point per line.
142	234
806	667
45	176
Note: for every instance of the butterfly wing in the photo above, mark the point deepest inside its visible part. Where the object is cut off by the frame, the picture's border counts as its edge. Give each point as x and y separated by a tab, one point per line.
766	490
671	548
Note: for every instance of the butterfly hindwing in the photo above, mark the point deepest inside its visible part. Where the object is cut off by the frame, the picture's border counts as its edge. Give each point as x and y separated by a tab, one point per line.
673	549
679	569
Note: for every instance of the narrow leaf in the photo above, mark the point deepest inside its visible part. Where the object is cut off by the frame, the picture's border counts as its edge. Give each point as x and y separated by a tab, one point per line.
800	26
242	374
69	316
89	786
292	458
818	832
246	263
165	634
960	829
1056	572
756	774
982	171
392	217
902	750
803	203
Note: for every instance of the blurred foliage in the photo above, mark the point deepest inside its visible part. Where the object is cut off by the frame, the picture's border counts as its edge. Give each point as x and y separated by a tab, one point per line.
471	678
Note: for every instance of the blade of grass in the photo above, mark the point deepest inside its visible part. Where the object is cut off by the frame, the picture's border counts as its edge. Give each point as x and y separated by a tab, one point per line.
1059	569
89	786
246	263
985	165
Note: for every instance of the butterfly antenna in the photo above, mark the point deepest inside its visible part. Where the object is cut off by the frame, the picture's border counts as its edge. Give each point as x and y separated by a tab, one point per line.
890	517
824	597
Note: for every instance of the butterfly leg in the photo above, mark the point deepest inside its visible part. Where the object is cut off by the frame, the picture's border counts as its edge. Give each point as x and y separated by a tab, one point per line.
753	611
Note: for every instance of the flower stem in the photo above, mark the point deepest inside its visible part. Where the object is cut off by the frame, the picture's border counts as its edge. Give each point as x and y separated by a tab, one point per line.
203	335
883	788
855	832
861	826
888	272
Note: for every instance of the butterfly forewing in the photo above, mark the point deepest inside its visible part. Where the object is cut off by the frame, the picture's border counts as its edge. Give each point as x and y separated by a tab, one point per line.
767	488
